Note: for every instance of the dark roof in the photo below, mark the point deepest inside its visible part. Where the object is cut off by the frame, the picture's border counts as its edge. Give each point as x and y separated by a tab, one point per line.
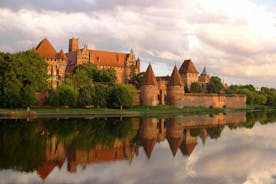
187	67
204	72
175	79
149	78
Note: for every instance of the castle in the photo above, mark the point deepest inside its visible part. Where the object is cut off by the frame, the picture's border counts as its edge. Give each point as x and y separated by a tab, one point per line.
153	91
171	90
60	63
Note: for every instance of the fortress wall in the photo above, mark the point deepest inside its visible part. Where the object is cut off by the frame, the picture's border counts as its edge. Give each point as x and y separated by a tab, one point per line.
207	100
236	101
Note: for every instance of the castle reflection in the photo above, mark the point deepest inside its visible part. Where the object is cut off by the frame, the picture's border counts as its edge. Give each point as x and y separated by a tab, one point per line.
80	142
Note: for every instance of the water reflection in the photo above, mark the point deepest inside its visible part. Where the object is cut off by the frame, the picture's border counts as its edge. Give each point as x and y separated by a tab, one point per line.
45	144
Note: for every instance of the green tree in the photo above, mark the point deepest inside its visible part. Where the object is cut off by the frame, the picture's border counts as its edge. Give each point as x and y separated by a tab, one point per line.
105	75
99	95
21	75
120	96
215	85
136	80
64	94
85	96
196	88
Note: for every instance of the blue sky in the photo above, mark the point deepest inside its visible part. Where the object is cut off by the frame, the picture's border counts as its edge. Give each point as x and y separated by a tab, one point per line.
234	39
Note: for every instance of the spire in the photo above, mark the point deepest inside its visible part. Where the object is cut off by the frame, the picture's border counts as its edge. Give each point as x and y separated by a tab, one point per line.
149	78
187	67
204	72
175	79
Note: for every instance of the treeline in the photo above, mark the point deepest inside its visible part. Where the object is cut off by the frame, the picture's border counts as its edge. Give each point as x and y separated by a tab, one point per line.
262	96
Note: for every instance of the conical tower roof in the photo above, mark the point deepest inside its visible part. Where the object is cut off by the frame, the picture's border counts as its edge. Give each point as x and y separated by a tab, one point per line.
187	67
148	146
149	77
174	143
46	169
45	49
204	72
175	79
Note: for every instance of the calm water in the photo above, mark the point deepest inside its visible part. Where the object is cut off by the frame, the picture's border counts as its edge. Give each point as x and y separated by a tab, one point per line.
233	148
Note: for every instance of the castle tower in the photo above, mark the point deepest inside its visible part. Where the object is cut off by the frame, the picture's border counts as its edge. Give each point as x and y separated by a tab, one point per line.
188	73
175	88
149	89
73	44
204	79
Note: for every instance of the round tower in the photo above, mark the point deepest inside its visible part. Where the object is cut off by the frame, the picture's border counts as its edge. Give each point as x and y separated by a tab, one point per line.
149	89
175	88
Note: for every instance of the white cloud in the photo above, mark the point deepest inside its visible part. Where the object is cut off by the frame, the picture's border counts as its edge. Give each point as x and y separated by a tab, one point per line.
233	38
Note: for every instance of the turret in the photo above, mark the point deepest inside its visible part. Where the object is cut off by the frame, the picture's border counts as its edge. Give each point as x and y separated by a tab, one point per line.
188	73
73	44
175	88
149	89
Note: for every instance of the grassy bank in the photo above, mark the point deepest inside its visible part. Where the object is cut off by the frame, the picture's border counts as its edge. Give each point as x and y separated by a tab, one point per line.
161	110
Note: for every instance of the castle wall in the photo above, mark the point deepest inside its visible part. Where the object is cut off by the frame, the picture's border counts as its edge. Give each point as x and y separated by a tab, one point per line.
207	100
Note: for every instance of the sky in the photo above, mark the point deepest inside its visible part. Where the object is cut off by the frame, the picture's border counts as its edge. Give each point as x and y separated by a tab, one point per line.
234	39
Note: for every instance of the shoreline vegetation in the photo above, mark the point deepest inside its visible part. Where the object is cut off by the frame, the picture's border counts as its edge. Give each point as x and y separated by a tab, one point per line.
135	111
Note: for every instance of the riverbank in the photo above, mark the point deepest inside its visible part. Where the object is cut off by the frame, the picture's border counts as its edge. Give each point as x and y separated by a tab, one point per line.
161	110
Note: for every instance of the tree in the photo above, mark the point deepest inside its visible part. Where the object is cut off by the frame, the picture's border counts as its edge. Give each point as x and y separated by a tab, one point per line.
136	80
85	96
120	96
196	88
105	75
64	94
21	75
215	85
99	95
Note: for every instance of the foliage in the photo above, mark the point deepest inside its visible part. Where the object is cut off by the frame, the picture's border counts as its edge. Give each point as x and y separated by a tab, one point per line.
64	94
263	96
120	96
136	80
21	75
99	95
215	85
196	88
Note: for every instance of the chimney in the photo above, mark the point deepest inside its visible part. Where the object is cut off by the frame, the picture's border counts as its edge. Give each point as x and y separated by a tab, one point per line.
73	44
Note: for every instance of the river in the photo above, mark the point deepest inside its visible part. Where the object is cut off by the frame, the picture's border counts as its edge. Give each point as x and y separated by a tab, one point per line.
217	148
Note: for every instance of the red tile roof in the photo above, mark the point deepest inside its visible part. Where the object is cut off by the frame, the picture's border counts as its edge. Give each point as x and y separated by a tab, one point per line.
149	78
106	58
175	79
187	67
45	49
